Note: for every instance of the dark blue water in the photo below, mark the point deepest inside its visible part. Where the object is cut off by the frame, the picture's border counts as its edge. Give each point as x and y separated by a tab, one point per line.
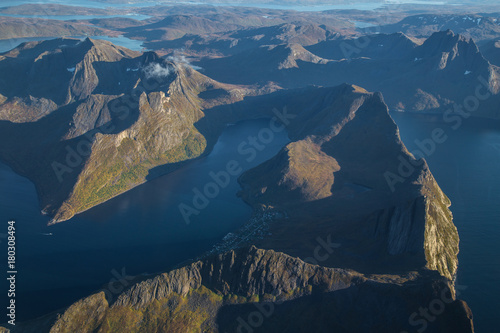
141	231
467	167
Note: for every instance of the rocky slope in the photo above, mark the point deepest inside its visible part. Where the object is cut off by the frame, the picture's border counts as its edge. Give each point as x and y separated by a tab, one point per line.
220	293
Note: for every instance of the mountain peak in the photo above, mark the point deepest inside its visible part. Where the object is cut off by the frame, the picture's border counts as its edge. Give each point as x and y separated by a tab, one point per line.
88	42
296	52
447	37
450	44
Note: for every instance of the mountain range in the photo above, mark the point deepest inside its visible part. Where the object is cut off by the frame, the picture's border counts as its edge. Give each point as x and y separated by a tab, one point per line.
444	69
350	231
480	27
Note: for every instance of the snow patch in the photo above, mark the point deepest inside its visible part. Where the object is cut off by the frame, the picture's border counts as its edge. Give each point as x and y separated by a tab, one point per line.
467	72
71	70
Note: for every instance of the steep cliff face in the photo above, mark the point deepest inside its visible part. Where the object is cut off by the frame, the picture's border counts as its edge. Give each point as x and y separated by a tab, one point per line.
220	293
424	227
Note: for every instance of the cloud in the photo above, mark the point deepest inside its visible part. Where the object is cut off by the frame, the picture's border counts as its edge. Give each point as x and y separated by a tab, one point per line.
179	58
156	71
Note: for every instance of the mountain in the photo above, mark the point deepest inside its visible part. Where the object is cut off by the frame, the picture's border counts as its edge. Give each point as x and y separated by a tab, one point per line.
14	27
49	9
61	71
491	51
234	42
283	64
444	70
176	26
479	27
351	232
92	119
347	173
381	46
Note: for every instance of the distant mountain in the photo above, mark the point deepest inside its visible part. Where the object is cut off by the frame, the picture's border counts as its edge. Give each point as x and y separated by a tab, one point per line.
86	121
444	69
393	46
230	32
13	27
480	27
48	9
246	39
61	71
